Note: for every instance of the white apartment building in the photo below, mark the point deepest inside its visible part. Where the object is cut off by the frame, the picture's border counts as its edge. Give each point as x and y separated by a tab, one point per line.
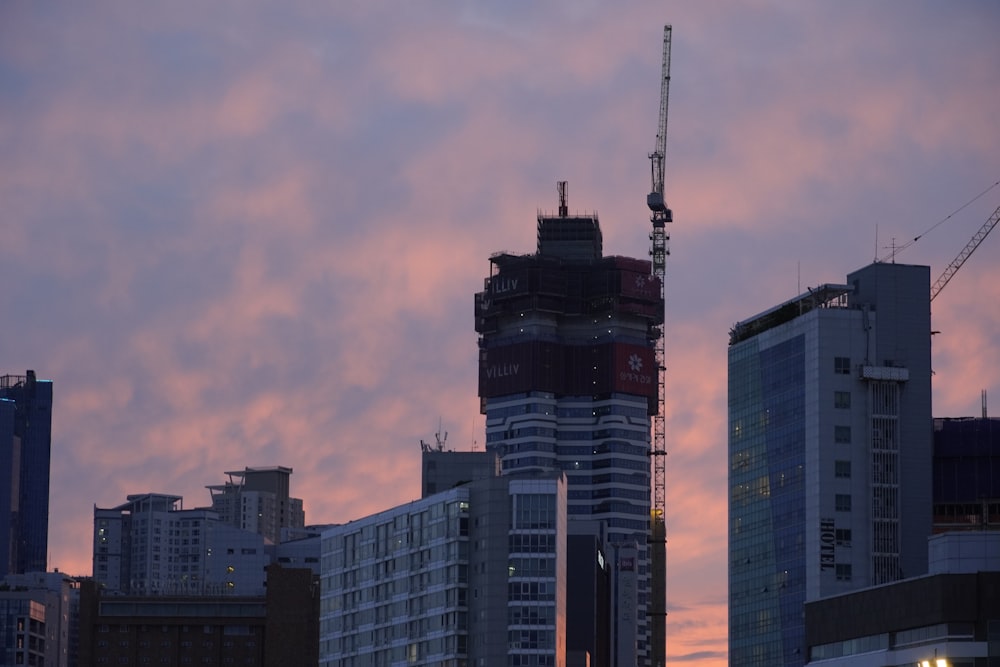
475	575
150	545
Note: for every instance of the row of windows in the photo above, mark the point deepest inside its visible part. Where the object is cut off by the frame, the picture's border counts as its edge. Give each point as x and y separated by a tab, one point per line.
520	432
531	615
533	639
386	611
604	464
531	567
741	458
166	660
613	492
609	447
531	543
531	591
533	510
205	629
566	411
603	433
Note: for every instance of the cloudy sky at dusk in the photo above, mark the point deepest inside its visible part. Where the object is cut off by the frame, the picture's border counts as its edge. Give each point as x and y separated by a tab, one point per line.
236	236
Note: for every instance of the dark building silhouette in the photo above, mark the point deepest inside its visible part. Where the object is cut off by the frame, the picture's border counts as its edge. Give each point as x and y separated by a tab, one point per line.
280	628
443	469
588	601
966	474
25	453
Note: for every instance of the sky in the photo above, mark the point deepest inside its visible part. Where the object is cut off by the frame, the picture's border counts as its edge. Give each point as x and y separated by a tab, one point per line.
249	233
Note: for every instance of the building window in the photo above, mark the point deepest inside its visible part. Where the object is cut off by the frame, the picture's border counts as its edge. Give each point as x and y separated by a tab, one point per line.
842	469
843	571
842	399
842	365
842	434
843	536
842	502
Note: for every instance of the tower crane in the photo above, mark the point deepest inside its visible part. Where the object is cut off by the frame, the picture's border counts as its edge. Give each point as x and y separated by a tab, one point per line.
967	251
660	216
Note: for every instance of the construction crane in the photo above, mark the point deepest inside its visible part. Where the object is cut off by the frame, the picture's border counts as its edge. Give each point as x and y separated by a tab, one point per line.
967	251
661	215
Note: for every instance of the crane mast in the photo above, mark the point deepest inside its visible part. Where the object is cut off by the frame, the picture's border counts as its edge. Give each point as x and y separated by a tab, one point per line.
967	251
660	216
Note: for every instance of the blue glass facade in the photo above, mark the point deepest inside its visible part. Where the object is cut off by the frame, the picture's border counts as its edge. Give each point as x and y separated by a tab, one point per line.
767	503
829	447
29	431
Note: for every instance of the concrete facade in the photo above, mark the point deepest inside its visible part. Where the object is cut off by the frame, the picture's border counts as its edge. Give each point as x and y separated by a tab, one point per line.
258	500
39	619
473	575
149	545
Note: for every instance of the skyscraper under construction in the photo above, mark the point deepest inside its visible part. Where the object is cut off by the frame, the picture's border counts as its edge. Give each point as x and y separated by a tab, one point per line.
568	381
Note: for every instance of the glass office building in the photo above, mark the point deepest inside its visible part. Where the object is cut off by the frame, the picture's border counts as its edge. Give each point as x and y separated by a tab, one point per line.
25	457
829	453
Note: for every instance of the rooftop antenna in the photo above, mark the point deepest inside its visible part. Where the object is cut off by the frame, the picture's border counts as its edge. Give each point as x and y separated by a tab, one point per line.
563	209
892	251
439	441
984	404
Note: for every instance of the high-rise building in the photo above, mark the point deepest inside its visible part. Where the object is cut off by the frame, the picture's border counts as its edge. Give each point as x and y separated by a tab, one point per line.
568	382
472	575
25	453
830	436
258	500
150	545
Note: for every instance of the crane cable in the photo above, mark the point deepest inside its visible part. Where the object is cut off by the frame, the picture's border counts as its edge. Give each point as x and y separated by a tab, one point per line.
940	222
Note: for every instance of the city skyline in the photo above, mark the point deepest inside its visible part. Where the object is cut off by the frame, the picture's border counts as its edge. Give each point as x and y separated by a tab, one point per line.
252	238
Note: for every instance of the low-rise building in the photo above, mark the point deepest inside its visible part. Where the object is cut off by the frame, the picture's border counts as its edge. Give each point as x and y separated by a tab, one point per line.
948	618
279	627
38	619
151	545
